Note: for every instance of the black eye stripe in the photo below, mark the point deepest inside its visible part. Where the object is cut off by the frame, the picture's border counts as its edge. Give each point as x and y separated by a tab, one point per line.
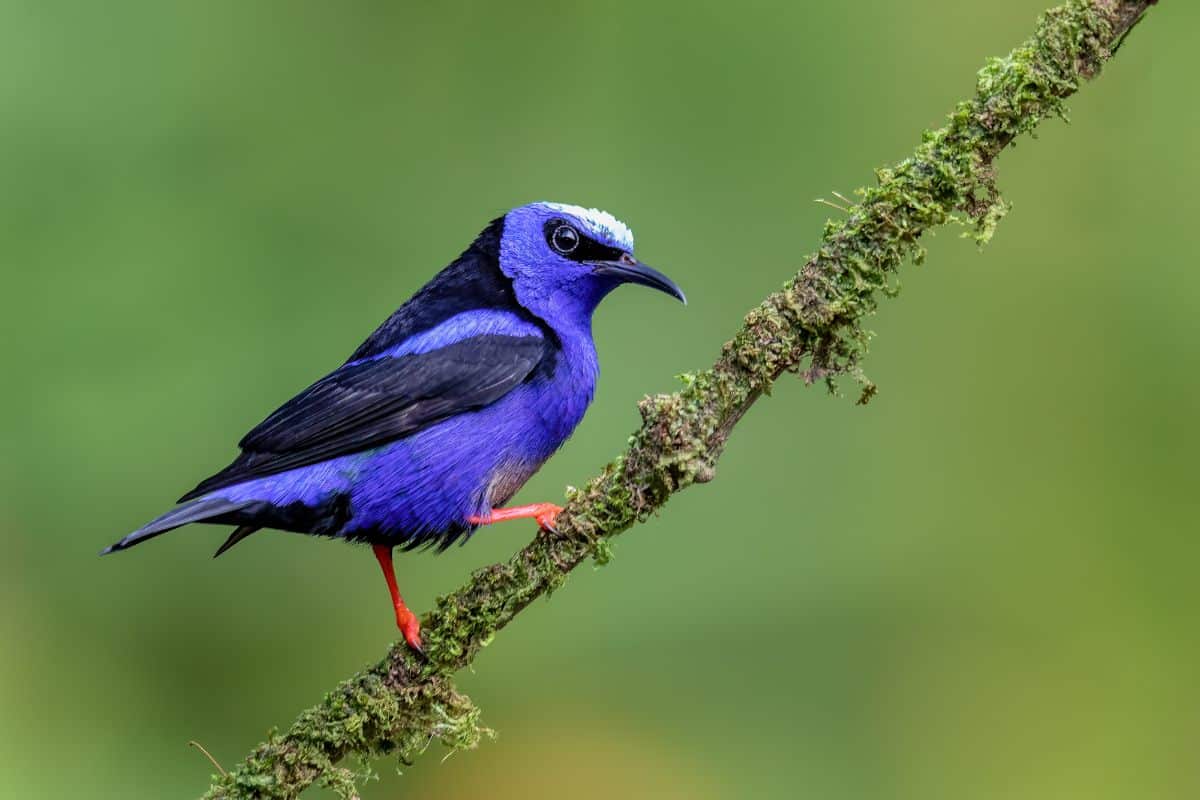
587	248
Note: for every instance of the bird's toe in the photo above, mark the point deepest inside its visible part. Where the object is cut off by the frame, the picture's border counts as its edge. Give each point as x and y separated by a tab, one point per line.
410	627
547	518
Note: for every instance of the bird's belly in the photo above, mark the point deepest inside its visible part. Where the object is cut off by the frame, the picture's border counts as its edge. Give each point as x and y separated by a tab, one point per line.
422	489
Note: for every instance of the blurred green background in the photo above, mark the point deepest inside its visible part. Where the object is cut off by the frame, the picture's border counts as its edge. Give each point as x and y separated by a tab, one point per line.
978	586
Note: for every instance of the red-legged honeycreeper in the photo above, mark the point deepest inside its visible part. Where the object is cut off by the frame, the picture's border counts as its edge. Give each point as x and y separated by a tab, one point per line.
446	410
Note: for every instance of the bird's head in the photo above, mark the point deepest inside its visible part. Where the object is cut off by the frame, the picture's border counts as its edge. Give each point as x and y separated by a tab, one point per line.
564	259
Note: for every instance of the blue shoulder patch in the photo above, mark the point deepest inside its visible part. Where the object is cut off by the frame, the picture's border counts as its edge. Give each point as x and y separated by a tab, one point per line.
464	325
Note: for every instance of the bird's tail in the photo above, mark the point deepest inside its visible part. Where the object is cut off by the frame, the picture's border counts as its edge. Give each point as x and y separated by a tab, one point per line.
202	509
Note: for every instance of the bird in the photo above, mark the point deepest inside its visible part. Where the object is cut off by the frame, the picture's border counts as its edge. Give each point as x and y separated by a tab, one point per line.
436	421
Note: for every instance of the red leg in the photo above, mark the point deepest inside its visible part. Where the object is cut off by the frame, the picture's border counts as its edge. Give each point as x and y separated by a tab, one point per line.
406	620
544	513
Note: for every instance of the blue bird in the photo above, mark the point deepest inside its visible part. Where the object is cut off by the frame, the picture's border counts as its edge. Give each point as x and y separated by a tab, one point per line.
446	410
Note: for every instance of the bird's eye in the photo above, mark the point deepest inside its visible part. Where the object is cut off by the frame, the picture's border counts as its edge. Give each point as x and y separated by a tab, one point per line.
564	239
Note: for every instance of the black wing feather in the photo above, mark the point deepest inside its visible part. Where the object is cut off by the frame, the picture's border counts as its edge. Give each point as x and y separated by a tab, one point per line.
368	404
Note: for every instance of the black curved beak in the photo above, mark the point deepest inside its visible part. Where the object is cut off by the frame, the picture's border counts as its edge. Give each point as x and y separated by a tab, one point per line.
628	269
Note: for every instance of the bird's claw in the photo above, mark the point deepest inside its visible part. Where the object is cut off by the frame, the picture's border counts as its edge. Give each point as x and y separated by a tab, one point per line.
410	627
548	518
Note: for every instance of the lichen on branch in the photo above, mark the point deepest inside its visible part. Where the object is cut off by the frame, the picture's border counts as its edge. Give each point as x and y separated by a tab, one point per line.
813	325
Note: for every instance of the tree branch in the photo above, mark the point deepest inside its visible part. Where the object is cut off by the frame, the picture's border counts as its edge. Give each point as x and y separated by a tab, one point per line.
813	326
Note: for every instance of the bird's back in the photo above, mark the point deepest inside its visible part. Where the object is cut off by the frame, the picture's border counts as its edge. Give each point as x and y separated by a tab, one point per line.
472	282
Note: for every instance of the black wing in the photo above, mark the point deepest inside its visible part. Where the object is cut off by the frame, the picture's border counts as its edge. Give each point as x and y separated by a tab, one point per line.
367	404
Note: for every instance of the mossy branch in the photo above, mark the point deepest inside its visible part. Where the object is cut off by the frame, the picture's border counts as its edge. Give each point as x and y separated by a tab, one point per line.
813	326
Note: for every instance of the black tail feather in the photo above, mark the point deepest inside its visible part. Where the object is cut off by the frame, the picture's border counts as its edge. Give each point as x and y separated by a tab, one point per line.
204	509
241	533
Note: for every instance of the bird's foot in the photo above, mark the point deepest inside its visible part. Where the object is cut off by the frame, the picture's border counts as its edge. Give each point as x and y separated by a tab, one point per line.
410	627
406	620
546	515
547	518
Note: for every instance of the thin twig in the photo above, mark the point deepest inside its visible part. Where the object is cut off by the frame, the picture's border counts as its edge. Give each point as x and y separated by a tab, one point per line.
209	756
823	201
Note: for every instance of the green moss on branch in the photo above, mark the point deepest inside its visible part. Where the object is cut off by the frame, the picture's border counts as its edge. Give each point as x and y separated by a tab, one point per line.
812	325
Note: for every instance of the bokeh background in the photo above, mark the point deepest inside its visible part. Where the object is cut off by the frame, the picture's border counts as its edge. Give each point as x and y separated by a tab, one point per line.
981	585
